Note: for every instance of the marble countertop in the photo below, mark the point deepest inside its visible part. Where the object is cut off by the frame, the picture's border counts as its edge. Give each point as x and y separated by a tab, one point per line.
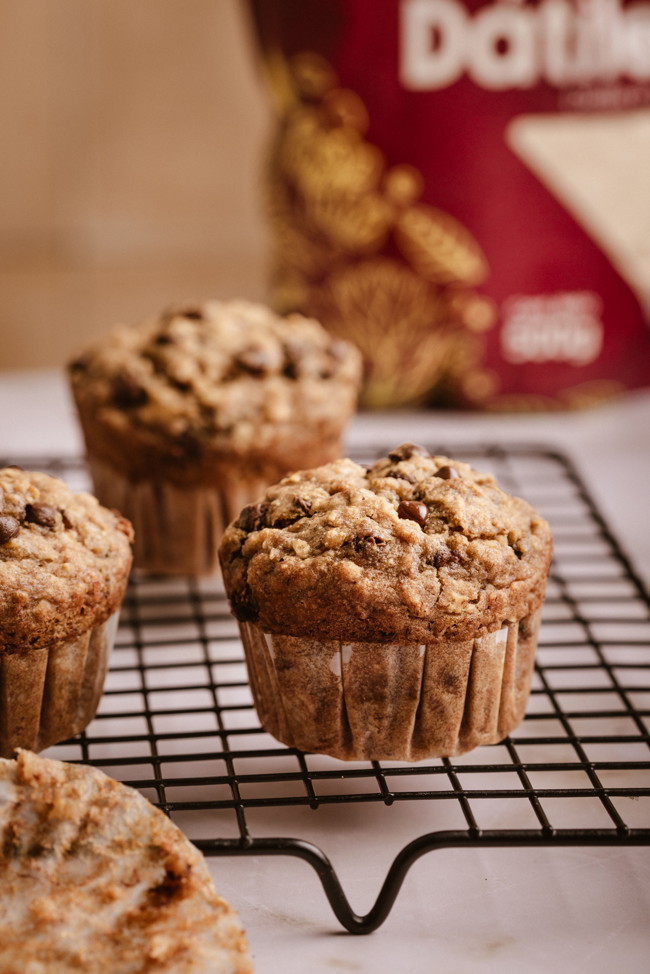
576	909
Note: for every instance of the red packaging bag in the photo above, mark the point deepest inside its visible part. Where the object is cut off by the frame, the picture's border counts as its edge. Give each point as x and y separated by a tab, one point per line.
463	189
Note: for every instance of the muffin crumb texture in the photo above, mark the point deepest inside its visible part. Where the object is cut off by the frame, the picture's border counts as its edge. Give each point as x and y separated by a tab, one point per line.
209	380
416	548
64	560
94	878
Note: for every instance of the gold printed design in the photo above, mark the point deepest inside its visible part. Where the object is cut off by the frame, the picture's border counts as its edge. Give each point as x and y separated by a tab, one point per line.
439	247
335	161
353	246
313	76
363	303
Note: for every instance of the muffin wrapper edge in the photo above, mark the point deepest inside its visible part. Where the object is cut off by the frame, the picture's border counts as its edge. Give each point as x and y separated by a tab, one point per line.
177	529
50	694
391	701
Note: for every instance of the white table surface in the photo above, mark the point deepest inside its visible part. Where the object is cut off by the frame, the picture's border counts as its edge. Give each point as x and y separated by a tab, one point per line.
460	910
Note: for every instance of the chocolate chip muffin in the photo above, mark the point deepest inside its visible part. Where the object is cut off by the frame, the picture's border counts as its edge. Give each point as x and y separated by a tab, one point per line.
189	416
390	612
94	878
64	567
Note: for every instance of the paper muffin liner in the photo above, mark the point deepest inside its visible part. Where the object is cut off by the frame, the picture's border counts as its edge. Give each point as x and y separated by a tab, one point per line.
391	701
177	529
50	694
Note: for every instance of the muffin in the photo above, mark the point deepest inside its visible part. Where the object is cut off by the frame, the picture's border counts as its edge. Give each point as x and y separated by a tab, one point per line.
94	878
189	416
388	612
64	567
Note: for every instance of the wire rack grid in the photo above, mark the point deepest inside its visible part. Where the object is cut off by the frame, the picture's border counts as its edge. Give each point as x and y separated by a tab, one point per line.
177	719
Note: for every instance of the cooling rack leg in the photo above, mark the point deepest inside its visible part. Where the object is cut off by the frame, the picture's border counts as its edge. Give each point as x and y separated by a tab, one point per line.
351	921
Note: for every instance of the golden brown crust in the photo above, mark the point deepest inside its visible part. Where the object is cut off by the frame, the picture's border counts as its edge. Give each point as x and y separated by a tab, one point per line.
206	388
419	548
94	878
64	569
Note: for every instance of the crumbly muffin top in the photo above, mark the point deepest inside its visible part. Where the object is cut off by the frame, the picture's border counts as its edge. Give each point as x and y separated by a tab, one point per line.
64	560
417	547
94	878
218	372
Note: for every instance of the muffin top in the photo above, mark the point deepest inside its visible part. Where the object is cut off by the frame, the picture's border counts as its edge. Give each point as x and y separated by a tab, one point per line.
94	878
64	560
415	548
218	374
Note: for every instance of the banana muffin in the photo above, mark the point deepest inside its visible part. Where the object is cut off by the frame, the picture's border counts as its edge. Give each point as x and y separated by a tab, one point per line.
389	612
64	567
95	878
189	416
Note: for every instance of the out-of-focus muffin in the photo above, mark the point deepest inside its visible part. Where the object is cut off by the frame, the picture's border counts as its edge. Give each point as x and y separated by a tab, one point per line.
64	567
95	878
189	416
390	612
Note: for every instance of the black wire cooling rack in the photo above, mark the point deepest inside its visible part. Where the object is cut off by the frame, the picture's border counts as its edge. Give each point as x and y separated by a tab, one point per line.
177	720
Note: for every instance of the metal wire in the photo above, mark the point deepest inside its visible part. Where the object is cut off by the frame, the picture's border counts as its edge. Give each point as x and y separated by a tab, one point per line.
177	719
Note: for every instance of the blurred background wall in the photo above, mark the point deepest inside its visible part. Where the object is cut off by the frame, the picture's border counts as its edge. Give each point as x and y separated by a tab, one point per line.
131	142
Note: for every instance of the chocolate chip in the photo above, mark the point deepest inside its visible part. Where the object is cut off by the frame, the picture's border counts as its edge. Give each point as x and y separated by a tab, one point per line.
303	504
254	360
244	606
443	556
408	450
302	507
447	473
128	392
373	540
251	518
9	527
290	370
42	514
80	364
293	358
67	523
413	511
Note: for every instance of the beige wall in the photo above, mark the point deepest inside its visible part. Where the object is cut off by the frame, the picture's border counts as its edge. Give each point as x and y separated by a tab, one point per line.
131	140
